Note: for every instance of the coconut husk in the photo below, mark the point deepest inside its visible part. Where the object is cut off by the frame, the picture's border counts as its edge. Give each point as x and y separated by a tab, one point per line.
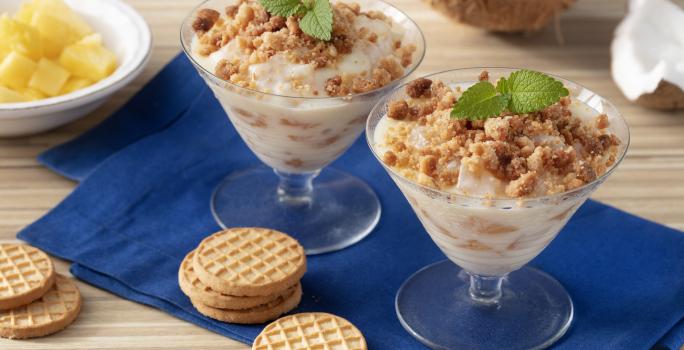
666	96
502	15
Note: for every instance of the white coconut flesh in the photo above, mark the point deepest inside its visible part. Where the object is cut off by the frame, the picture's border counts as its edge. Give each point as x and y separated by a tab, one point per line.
648	48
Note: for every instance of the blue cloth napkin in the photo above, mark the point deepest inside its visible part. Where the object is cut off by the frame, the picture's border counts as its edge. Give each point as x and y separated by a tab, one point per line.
142	203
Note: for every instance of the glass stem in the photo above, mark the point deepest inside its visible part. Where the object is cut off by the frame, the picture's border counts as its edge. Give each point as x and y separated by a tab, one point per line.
295	189
485	289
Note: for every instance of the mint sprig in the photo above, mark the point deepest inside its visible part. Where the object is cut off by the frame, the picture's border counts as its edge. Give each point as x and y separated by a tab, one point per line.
316	15
524	91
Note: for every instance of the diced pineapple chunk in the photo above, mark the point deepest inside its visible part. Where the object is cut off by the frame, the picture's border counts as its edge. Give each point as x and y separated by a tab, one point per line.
56	7
25	13
16	70
88	61
33	94
49	77
55	31
4	51
79	25
9	95
20	37
61	10
75	83
92	39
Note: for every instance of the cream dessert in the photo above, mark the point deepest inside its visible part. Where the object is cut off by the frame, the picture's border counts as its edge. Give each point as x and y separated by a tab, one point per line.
298	101
492	193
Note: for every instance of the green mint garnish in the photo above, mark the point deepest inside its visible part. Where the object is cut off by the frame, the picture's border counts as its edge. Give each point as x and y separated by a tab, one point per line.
316	15
530	91
524	91
480	101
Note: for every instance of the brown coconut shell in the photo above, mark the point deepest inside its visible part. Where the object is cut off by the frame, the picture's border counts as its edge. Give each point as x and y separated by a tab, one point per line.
502	15
666	96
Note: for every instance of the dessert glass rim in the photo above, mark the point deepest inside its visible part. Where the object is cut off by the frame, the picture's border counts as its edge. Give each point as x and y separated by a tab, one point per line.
187	48
504	203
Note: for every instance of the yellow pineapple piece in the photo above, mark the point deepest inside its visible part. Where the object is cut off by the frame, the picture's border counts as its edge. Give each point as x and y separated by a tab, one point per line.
49	77
4	51
55	31
8	95
16	70
61	10
33	94
75	83
19	37
91	39
88	61
79	25
25	13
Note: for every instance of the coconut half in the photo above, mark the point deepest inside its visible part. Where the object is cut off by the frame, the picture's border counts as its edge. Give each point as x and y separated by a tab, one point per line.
502	15
648	54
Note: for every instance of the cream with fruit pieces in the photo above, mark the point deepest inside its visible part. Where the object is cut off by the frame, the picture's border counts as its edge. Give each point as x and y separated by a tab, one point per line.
457	165
47	50
257	50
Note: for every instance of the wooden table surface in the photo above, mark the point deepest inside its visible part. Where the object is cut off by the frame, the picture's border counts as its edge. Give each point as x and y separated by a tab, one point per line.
648	183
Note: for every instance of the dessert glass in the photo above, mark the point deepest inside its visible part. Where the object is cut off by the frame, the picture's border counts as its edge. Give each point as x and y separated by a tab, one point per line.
483	296
296	137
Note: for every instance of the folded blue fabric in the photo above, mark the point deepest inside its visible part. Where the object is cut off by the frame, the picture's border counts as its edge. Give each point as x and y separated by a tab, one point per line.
143	202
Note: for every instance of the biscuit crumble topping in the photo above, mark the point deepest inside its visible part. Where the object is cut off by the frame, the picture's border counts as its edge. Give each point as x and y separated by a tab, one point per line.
509	156
251	36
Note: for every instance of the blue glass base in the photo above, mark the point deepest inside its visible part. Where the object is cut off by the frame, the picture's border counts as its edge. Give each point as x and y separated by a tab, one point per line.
434	305
339	210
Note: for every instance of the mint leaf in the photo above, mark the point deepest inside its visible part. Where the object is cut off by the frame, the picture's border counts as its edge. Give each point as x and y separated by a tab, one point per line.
479	101
530	91
316	15
284	8
317	22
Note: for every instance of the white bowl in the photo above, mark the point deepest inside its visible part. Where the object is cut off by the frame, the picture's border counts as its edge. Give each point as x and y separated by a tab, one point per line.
124	32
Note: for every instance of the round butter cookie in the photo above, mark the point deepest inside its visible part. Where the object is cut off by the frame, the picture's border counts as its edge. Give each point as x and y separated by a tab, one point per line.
259	314
249	261
53	312
201	293
316	330
26	273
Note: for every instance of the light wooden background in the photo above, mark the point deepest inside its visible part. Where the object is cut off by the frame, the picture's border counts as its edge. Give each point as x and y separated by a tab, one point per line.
648	183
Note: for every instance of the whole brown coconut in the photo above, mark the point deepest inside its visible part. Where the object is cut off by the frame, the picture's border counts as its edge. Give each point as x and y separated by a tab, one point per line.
666	96
502	15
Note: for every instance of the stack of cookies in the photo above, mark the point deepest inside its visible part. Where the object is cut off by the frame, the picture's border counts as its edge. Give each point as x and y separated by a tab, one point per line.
34	300
244	275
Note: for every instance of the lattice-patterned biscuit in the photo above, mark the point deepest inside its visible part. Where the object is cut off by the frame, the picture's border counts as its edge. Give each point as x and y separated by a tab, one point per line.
26	273
314	331
51	313
249	261
199	292
259	314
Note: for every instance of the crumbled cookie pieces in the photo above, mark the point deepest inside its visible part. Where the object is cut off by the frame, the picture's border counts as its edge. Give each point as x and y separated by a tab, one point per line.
261	36
205	20
532	154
